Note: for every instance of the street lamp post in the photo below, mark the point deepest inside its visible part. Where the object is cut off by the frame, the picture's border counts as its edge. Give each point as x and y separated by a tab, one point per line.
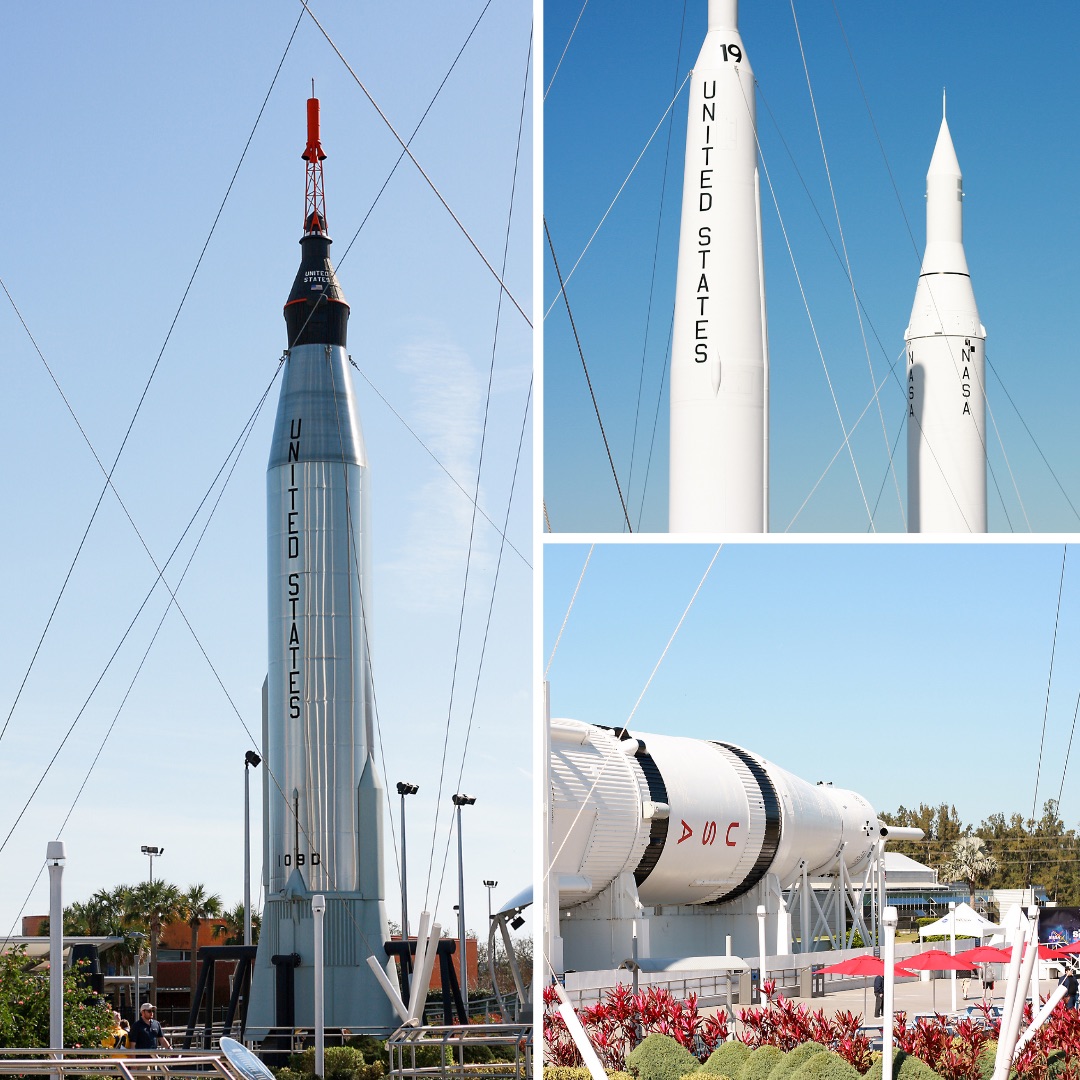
403	789
318	911
139	939
459	802
952	948
888	923
252	759
55	858
489	885
152	851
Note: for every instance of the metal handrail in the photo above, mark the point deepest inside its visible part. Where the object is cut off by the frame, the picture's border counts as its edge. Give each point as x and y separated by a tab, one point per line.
132	1064
404	1043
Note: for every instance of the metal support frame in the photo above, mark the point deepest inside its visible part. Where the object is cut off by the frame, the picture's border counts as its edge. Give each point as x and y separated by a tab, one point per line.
244	955
825	902
452	1001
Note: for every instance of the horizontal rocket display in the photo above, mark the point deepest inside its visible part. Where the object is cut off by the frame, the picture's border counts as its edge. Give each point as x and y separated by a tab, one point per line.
695	821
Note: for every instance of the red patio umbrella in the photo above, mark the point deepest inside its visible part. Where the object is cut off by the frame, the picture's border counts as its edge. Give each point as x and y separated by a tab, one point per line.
1052	952
863	965
985	954
936	960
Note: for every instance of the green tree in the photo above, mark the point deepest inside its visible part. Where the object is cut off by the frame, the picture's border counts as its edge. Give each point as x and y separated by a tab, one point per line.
941	826
504	976
233	929
152	904
195	905
24	1006
971	862
103	915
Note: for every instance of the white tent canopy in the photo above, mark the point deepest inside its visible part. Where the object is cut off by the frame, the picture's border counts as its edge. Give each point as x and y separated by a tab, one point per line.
1013	926
969	923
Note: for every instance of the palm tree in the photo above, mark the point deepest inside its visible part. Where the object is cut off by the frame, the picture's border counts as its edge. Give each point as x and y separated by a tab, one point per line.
196	905
152	904
232	926
971	862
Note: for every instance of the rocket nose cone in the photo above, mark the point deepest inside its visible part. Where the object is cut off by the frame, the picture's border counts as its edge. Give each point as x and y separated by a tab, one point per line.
723	14
944	161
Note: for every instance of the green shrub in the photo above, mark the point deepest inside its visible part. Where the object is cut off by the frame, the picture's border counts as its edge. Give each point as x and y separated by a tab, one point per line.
660	1057
759	1063
795	1058
826	1065
579	1072
985	1061
340	1062
905	1067
727	1058
1056	1064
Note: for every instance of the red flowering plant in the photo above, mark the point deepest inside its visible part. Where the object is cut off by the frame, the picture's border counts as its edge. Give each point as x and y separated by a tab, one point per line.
621	1019
785	1025
1056	1044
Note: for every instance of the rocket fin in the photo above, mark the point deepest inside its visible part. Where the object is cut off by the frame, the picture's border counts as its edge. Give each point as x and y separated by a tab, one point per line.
296	887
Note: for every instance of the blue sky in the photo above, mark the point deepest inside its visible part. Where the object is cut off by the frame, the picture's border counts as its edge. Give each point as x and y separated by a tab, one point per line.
1011	83
908	672
125	125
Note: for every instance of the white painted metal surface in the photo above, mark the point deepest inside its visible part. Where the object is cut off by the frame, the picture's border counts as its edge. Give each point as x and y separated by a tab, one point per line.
946	358
726	817
719	360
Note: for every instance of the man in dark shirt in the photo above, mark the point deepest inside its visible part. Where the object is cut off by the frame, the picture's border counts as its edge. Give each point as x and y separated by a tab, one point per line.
1071	984
879	994
146	1032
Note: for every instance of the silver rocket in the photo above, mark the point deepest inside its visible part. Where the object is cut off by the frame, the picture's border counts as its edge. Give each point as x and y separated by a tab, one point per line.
719	351
946	358
322	796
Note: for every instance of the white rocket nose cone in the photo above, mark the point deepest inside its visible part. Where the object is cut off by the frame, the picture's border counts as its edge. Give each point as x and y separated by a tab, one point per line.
944	161
723	14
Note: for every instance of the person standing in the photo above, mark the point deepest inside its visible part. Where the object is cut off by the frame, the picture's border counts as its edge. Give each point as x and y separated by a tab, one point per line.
146	1031
118	1038
879	995
1070	983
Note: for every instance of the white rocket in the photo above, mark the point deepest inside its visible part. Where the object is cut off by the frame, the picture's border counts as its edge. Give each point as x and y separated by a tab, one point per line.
719	357
695	821
946	357
663	846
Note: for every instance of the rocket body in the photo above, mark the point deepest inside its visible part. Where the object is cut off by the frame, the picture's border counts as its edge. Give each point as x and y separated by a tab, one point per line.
719	359
319	678
946	358
323	798
694	821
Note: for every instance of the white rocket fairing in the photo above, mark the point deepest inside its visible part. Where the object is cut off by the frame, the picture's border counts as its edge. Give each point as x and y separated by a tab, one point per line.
946	357
694	821
719	352
671	846
323	797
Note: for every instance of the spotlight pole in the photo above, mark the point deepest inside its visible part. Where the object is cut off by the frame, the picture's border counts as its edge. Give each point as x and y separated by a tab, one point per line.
404	788
459	802
252	759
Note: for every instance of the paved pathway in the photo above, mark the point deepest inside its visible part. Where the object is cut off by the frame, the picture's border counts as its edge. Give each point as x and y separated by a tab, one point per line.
913	996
